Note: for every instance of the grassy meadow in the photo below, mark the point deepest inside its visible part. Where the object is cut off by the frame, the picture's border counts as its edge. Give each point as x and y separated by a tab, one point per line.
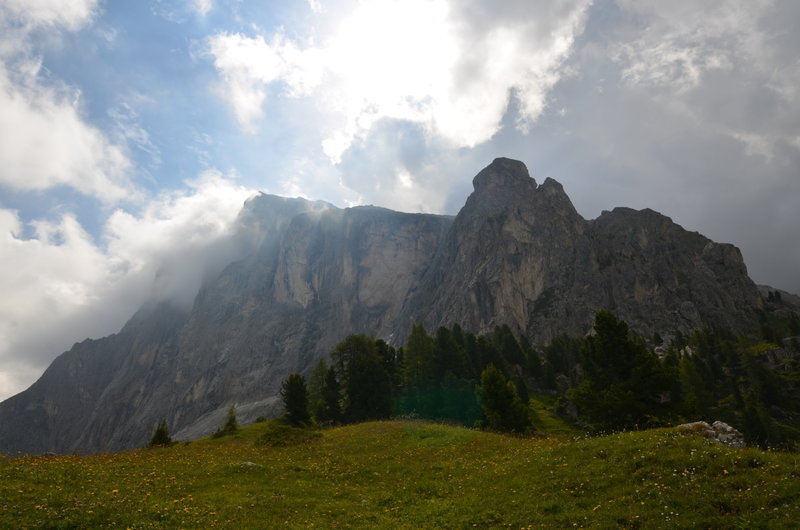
408	475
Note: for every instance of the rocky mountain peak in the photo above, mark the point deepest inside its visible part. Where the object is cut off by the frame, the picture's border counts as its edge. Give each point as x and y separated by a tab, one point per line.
552	187
503	177
506	186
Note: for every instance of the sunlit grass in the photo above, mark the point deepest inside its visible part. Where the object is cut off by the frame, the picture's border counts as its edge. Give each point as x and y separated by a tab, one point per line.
409	475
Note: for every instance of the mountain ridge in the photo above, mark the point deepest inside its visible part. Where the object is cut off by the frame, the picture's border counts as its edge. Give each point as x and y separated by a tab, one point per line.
308	273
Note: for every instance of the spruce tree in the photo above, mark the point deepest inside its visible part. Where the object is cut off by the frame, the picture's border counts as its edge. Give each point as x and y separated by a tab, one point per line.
331	410
503	409
161	435
315	385
295	400
622	381
231	424
364	379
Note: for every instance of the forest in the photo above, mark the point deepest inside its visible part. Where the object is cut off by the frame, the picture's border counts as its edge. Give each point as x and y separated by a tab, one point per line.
611	380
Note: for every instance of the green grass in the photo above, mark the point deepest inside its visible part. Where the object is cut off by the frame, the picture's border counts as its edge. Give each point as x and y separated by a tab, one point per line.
408	475
546	421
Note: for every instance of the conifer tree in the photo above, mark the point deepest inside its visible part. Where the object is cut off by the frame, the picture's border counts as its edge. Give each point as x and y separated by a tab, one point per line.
503	409
419	359
295	399
161	435
695	394
231	424
331	409
365	382
315	385
622	381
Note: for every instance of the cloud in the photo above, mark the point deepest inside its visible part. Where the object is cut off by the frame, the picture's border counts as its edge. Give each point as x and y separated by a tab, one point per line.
173	239
128	130
203	6
44	140
60	286
249	65
315	6
724	62
67	14
690	109
450	67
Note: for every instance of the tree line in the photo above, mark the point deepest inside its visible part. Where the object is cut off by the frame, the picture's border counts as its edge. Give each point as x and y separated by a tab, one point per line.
610	380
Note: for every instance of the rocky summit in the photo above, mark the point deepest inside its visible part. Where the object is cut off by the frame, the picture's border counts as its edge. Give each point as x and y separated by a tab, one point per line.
306	274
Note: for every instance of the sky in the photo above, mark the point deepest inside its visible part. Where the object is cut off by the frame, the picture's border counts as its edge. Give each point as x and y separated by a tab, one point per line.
132	132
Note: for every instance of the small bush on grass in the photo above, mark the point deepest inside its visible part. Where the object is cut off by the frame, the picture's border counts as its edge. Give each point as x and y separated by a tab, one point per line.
281	434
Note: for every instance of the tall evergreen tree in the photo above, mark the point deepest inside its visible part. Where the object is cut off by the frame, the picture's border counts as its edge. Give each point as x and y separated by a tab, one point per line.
449	356
331	410
391	362
695	394
366	384
420	378
161	435
508	346
503	409
419	359
316	385
622	381
295	400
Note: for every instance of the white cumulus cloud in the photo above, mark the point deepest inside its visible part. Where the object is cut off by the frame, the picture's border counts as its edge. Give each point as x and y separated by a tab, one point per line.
60	286
449	66
249	65
69	14
45	142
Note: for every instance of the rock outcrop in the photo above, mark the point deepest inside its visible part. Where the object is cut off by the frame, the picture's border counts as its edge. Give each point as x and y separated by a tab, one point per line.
520	254
306	274
718	431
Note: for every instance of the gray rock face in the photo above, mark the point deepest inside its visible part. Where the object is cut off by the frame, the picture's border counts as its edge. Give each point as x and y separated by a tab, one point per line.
718	431
307	274
520	254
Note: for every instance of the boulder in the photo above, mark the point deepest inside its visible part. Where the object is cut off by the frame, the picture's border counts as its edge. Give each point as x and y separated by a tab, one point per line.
718	431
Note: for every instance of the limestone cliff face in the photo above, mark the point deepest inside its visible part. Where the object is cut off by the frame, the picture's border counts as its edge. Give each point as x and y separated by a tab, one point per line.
663	278
334	272
512	251
89	395
306	274
311	274
519	254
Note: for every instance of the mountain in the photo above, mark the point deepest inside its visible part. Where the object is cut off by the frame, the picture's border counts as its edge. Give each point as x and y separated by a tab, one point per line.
520	254
308	273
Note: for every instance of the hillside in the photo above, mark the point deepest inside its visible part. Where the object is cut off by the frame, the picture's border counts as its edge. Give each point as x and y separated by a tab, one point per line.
409	475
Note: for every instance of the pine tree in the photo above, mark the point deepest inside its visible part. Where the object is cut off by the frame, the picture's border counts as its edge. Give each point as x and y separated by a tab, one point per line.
697	398
365	381
419	359
295	400
231	424
503	409
622	381
316	384
331	409
161	435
